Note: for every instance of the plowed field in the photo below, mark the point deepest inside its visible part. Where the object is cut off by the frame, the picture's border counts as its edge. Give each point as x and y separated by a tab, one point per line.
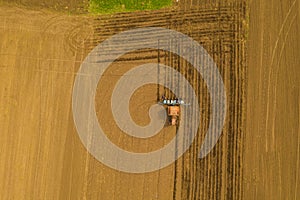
42	156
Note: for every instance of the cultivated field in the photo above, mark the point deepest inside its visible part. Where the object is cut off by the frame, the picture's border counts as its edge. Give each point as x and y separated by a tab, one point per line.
271	150
42	156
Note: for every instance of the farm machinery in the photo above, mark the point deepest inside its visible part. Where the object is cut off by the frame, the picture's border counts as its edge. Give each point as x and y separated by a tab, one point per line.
173	109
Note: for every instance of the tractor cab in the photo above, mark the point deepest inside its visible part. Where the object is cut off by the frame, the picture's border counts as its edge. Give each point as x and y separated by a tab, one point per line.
173	114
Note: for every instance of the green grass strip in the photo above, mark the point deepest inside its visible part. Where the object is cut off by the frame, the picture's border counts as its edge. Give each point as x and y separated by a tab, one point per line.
114	6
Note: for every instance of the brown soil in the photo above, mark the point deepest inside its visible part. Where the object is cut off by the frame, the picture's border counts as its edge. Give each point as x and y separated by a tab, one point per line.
272	153
43	158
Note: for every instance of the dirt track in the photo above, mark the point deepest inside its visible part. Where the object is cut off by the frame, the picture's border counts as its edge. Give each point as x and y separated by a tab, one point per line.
43	158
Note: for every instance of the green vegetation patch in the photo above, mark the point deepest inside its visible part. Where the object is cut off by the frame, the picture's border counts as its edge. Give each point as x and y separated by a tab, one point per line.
114	6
